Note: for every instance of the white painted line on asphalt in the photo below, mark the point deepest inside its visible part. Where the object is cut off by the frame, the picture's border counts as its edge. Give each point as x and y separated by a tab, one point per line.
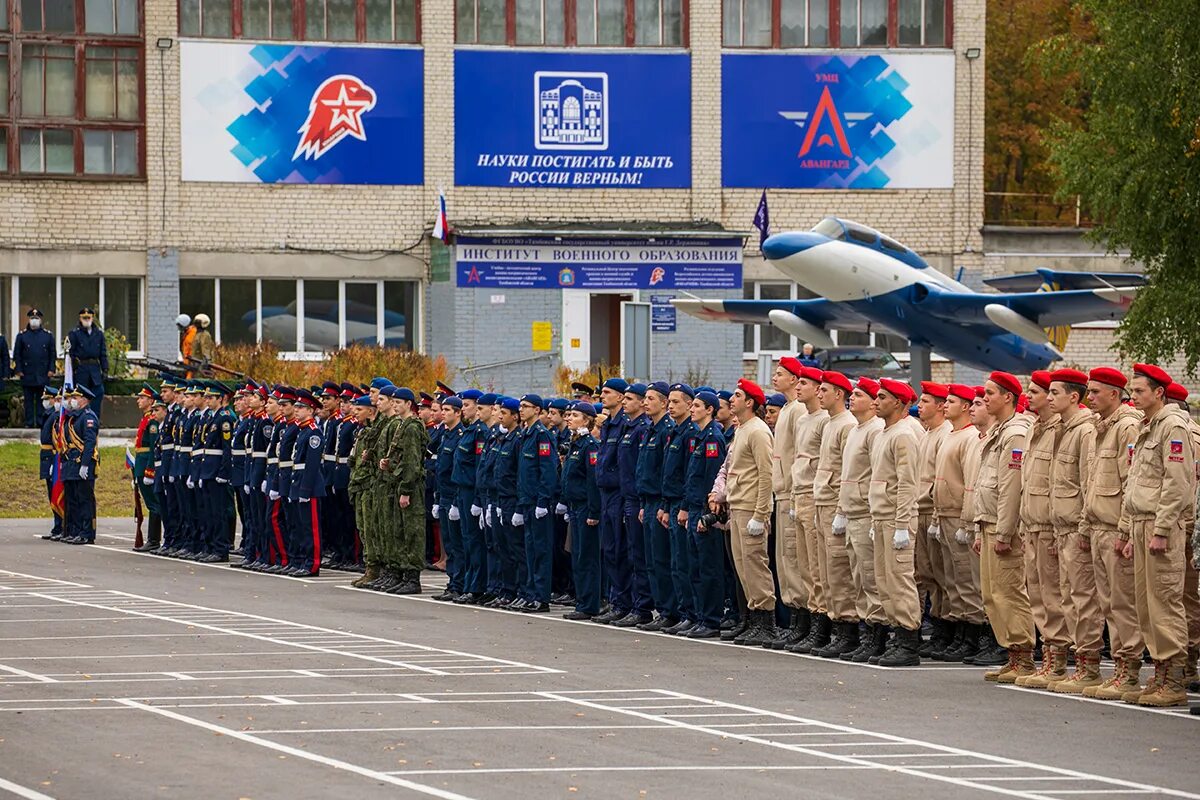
180	676
177	656
22	791
648	768
298	753
308	673
283	701
1096	791
36	579
70	619
109	636
23	674
220	565
460	728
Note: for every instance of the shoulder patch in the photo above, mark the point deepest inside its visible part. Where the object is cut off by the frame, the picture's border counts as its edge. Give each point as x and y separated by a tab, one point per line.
592	457
544	449
710	450
314	441
224	426
1015	460
1176	450
90	423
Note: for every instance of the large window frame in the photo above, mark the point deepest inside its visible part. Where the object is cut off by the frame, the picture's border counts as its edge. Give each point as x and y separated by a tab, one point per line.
299	29
834	30
26	57
60	320
572	14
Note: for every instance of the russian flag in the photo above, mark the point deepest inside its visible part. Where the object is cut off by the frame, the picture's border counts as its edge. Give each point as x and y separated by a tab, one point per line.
441	225
128	459
58	492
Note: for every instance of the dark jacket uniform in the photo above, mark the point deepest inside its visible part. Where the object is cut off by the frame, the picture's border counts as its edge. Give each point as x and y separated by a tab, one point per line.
681	443
89	355
608	471
82	431
504	471
307	457
578	488
46	459
537	470
703	465
447	489
627	455
34	356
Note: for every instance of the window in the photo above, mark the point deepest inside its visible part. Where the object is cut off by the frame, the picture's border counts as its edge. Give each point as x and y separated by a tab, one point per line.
767	338
599	23
121	308
236	319
848	23
277	315
118	301
71	88
301	20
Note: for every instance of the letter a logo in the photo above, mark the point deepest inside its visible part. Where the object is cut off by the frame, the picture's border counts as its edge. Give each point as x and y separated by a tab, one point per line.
825	108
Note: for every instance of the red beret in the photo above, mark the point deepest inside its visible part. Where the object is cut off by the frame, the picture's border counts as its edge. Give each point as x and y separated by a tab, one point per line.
792	365
1153	372
1109	377
1022	403
938	390
961	391
814	374
902	391
1005	381
752	390
869	386
1041	378
1069	376
837	379
1177	392
979	392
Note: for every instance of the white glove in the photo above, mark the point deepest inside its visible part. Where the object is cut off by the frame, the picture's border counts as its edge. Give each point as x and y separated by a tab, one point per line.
171	479
755	528
518	520
200	483
871	534
476	511
960	536
484	522
148	481
561	510
488	513
454	515
274	495
900	539
437	510
304	499
222	480
191	484
938	535
839	524
540	512
933	531
263	487
792	513
246	489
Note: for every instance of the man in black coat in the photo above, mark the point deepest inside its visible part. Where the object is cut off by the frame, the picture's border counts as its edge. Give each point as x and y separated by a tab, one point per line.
33	358
89	356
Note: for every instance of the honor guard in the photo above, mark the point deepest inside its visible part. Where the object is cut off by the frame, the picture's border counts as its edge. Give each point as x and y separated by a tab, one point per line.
79	463
144	445
51	443
581	496
306	488
633	541
447	498
608	479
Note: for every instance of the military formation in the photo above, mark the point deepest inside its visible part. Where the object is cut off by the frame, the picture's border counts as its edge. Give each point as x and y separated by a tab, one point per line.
855	520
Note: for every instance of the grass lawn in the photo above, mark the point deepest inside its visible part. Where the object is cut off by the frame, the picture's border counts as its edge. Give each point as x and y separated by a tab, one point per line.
24	494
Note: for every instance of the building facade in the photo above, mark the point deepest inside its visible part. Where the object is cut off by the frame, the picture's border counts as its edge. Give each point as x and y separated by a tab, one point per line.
277	165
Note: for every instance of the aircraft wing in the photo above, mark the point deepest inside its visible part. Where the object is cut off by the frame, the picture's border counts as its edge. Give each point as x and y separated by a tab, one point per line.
1044	309
818	312
1056	280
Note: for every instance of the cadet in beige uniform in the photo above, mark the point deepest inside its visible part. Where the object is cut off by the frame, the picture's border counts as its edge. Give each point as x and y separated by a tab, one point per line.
748	490
999	543
1116	430
809	429
1043	570
790	558
835	568
964	604
854	506
989	652
930	569
893	518
1158	492
1077	439
1177	395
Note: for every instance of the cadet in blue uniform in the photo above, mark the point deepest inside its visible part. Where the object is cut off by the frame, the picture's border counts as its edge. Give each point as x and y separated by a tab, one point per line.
707	548
144	446
33	356
633	542
51	447
184	432
164	455
348	550
281	490
608	479
89	356
537	478
431	415
80	462
725	416
465	477
445	509
239	463
562	589
681	443
306	488
485	496
255	547
656	535
213	466
504	477
582	498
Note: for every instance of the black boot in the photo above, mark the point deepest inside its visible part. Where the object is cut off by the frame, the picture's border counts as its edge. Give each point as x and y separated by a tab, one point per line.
730	634
817	637
990	654
387	579
844	641
763	633
889	644
864	634
874	646
935	637
409	583
951	638
153	535
970	643
753	629
955	645
905	653
797	630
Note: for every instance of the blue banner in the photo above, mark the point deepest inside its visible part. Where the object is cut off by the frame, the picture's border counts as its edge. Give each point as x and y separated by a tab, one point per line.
837	121
572	120
283	113
570	263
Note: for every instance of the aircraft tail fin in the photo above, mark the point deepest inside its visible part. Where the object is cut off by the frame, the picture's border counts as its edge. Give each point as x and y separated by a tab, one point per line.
1057	334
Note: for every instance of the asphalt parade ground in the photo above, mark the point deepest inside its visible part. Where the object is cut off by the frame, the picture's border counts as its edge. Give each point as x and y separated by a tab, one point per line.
131	676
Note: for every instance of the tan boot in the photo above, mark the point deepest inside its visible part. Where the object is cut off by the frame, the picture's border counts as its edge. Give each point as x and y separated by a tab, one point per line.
1022	668
1087	674
371	574
1169	692
1118	684
993	675
1133	695
1054	669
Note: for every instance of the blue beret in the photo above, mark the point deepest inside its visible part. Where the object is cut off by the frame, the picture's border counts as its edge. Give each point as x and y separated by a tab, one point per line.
684	389
379	383
725	395
470	394
709	399
616	384
404	393
636	388
510	404
584	408
559	404
363	400
488	399
777	400
453	402
708	389
532	399
389	390
599	408
661	387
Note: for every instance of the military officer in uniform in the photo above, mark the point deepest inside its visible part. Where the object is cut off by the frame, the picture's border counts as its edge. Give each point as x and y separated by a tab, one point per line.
51	441
89	357
33	355
706	549
80	462
657	538
537	479
306	488
680	444
580	494
144	445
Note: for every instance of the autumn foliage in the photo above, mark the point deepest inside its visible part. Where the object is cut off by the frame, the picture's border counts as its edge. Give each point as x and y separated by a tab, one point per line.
357	364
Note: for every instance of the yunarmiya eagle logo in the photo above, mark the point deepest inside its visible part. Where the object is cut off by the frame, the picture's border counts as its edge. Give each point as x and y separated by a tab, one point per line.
335	112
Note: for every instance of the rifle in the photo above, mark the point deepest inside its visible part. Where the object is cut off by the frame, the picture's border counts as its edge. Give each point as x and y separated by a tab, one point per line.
137	515
166	367
207	368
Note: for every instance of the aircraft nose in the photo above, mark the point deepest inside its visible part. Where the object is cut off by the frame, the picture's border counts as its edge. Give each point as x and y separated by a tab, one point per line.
782	245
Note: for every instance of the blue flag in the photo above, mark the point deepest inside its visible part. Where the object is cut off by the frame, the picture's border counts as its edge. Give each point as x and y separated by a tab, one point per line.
762	219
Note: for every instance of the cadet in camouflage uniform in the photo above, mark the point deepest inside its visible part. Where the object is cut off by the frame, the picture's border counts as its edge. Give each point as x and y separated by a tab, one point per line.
403	468
362	467
382	506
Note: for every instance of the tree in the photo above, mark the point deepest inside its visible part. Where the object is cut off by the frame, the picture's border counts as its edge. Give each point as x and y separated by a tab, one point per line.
1134	156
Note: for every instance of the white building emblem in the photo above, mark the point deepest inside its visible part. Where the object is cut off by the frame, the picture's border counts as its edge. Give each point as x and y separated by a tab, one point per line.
570	110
